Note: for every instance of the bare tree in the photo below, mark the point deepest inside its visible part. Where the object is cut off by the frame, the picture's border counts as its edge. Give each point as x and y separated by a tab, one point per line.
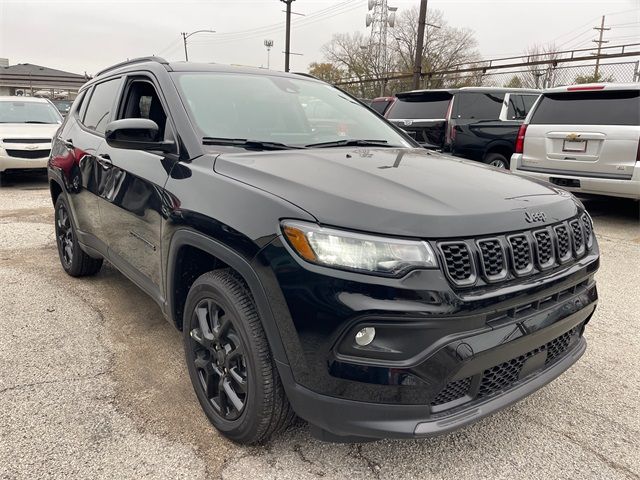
445	47
539	76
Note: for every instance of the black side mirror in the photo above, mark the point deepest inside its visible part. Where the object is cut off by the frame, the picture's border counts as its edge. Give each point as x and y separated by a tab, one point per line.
137	134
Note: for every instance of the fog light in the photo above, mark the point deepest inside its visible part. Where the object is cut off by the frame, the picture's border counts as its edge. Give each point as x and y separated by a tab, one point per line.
365	336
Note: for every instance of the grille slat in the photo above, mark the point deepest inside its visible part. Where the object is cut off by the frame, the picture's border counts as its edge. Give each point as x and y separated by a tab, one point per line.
28	153
588	229
458	262
493	259
564	245
544	249
26	140
521	254
577	237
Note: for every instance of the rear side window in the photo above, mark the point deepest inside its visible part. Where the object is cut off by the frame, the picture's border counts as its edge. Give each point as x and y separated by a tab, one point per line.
380	106
479	106
519	106
421	107
100	105
614	107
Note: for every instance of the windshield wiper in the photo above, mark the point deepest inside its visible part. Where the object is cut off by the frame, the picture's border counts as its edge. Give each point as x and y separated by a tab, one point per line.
248	144
352	143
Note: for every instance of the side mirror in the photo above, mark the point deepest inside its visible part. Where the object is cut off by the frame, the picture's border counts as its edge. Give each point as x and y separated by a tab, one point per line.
137	134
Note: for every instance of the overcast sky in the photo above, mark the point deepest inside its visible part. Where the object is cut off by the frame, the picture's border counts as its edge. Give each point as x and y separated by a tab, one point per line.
87	35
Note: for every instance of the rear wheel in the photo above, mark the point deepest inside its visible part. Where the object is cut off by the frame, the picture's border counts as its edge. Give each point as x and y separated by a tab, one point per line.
229	360
497	160
73	259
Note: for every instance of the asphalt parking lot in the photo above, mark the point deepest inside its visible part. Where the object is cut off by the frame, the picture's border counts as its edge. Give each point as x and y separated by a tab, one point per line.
93	383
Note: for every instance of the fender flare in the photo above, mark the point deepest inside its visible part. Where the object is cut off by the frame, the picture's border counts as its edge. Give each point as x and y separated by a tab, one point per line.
185	237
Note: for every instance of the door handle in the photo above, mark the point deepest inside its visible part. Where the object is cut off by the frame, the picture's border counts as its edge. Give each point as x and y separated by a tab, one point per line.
105	160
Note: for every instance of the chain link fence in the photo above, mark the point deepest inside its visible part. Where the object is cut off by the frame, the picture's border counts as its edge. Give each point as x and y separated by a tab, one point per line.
529	76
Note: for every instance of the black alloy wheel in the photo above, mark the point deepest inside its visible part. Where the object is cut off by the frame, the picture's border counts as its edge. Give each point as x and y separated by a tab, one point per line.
64	234
75	261
230	364
219	359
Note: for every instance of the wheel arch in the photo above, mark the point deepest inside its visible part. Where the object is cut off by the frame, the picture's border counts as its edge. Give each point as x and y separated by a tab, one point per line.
501	147
55	188
219	256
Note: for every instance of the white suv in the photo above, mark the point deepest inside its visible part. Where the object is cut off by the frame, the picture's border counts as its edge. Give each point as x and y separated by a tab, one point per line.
584	138
27	126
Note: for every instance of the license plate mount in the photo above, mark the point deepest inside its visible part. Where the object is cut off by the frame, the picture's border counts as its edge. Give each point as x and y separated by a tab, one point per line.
575	146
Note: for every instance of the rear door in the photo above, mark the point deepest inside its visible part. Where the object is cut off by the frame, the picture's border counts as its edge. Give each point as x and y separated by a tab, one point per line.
83	168
423	115
475	122
132	206
592	133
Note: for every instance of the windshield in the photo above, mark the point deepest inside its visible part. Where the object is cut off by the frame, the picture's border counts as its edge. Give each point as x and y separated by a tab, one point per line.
290	111
28	112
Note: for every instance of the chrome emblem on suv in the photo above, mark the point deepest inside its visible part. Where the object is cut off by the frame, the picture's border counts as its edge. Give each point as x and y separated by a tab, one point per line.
535	217
408	122
572	137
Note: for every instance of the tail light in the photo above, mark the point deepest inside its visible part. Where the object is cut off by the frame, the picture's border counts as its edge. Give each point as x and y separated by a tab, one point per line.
449	133
638	152
520	139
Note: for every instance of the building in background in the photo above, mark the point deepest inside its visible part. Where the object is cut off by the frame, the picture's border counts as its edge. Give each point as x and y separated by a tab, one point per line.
37	81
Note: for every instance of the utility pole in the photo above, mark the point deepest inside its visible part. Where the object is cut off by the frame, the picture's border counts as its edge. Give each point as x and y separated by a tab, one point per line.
184	40
422	25
287	40
599	42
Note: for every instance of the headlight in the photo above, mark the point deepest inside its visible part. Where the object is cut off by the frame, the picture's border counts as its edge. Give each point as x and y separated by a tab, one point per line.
355	251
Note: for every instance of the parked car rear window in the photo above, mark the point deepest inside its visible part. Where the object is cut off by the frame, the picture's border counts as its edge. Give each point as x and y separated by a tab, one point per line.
426	107
613	107
100	104
28	112
480	106
278	109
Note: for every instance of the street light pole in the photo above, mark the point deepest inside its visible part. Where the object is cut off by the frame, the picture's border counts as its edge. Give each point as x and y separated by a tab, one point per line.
186	35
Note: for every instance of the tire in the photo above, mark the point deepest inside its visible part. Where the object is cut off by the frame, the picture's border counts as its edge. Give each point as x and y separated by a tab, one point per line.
497	160
239	390
74	260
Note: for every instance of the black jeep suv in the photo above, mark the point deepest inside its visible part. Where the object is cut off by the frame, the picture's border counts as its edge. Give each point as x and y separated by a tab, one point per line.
323	266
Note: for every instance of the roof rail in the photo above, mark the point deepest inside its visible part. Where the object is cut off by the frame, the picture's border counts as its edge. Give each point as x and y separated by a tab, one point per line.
308	75
134	60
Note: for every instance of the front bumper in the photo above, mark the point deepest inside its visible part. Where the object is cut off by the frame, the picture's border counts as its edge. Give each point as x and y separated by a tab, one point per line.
588	185
443	358
12	163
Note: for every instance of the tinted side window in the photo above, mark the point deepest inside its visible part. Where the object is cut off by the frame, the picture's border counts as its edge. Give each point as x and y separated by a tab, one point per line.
379	106
589	108
519	106
482	106
528	100
142	101
100	104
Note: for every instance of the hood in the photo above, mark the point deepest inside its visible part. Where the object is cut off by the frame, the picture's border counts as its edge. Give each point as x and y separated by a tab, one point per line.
406	192
28	130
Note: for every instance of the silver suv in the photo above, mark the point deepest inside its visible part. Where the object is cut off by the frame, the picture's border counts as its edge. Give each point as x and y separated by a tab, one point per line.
584	138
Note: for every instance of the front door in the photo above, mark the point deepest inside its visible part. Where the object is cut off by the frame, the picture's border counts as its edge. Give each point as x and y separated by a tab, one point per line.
132	211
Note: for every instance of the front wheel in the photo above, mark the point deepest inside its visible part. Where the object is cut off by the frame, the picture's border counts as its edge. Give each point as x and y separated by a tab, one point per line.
497	160
229	360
